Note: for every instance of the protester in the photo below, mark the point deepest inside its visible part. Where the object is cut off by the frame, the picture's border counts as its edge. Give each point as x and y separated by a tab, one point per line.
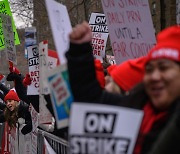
161	82
16	113
20	84
123	77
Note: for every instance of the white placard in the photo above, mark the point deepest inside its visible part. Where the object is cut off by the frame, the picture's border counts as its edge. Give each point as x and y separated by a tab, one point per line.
178	12
99	34
43	65
60	25
130	27
99	129
9	38
33	62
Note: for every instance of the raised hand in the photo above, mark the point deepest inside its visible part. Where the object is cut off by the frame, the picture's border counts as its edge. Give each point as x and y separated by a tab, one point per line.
81	33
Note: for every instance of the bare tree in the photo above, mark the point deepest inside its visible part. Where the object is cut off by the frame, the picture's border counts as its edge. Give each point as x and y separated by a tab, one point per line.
22	11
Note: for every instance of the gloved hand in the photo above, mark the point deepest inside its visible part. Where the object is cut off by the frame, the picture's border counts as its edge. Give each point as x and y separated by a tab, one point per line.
27	80
13	68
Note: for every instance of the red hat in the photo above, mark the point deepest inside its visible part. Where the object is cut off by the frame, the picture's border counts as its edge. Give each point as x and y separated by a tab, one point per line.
168	45
99	72
111	67
11	95
129	73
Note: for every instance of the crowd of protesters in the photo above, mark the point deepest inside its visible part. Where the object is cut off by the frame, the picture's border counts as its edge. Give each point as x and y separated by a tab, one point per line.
157	93
150	83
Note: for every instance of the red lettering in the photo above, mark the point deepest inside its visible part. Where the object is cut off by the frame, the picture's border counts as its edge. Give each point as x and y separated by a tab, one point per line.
58	81
120	49
140	49
114	17
133	16
108	3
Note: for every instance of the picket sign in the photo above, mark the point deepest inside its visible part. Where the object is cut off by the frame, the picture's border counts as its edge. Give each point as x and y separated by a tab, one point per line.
130	28
5	9
100	34
103	128
10	48
33	63
61	27
61	95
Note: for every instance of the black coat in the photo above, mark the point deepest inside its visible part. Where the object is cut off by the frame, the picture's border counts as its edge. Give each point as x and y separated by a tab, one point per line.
86	88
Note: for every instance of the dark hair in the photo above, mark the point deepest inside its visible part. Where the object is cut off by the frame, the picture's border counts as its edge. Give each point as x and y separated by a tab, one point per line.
11	117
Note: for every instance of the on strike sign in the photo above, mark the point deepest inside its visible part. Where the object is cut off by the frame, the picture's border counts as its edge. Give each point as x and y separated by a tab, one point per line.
103	129
130	28
99	34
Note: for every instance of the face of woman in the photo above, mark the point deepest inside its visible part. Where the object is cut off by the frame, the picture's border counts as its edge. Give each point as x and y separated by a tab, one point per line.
162	82
11	104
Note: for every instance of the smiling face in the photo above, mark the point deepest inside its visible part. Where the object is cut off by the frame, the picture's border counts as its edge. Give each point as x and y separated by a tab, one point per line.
11	104
162	82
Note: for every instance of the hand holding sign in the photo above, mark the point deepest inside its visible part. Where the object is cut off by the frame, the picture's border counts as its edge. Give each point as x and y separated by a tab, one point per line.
81	33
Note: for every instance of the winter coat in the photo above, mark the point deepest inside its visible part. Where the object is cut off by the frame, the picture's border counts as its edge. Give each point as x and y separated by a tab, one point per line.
86	88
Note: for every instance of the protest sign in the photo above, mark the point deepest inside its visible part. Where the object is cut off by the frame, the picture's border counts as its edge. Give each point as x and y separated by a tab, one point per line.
61	96
130	27
10	48
43	65
30	38
47	62
178	12
99	34
53	59
96	128
33	63
60	25
5	9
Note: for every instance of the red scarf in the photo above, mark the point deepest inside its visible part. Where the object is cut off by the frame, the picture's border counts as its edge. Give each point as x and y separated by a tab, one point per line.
150	117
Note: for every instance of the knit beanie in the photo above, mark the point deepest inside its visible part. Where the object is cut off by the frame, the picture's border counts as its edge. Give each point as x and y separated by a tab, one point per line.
110	68
11	95
168	45
99	72
128	73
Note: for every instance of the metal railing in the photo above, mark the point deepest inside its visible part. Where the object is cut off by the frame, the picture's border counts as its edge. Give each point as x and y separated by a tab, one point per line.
59	145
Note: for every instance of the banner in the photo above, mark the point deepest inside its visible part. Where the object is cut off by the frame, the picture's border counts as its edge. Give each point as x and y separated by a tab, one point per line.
61	96
10	48
102	129
60	25
5	9
178	12
130	27
99	34
33	63
30	38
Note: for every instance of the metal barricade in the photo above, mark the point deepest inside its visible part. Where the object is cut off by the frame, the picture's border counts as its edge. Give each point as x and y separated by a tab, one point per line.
60	146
